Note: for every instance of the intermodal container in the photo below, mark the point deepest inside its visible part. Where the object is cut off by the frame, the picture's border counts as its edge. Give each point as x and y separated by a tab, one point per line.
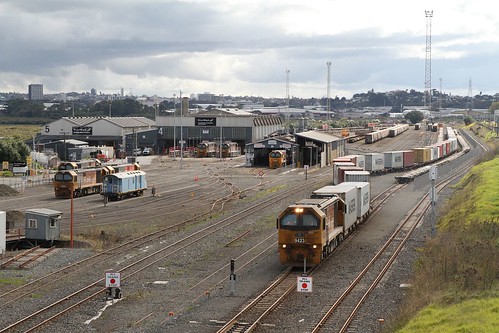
408	158
357	176
375	161
359	160
394	159
336	165
347	193
422	155
342	170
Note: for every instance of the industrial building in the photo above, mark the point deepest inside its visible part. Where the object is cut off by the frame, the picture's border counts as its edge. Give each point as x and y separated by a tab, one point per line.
310	148
256	135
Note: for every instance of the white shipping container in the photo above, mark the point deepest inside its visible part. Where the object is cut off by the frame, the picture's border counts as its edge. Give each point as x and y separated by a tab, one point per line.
394	159
357	176
347	193
360	161
375	161
363	197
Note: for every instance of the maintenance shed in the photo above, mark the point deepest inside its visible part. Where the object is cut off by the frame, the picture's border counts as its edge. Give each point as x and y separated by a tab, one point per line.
95	131
226	125
257	153
319	148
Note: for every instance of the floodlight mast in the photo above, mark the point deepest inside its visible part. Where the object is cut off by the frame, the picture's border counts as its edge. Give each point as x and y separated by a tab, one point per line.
427	81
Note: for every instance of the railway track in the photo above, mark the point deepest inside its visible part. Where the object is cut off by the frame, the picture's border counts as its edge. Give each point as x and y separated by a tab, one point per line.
56	308
249	318
341	314
346	305
27	258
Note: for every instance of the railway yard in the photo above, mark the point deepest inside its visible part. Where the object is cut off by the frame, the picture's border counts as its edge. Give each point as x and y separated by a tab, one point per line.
174	251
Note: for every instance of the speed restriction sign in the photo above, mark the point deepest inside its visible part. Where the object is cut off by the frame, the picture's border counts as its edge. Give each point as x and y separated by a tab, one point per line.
304	284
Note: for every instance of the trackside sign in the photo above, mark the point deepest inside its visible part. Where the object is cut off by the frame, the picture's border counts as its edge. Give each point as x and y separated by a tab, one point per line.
113	280
304	284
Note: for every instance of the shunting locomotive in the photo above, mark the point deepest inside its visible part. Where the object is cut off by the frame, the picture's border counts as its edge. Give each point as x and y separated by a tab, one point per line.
277	158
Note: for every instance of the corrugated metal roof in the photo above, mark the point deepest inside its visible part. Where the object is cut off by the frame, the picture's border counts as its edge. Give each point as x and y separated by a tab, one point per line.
318	136
80	121
119	121
131	121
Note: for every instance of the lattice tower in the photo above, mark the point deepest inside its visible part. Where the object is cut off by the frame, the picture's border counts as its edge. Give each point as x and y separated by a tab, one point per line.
427	81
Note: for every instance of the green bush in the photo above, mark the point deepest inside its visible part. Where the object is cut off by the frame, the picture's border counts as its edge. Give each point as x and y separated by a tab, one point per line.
7	174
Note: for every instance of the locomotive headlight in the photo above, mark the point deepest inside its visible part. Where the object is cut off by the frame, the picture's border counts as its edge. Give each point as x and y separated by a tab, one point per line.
298	210
283	246
314	246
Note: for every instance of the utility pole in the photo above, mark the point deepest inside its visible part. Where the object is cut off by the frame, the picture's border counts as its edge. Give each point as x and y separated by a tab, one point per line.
440	97
328	95
287	93
181	130
221	127
174	126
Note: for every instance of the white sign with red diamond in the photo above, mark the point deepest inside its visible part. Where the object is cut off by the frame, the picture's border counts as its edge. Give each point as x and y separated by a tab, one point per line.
304	284
112	280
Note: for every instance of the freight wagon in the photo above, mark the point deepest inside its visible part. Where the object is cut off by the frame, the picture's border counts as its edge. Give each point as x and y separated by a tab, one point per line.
387	132
81	182
398	129
124	185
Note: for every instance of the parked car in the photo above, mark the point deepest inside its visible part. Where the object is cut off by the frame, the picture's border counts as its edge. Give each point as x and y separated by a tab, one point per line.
147	151
137	152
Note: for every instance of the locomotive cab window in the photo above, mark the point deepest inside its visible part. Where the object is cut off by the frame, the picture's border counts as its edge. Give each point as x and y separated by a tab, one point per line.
275	154
289	220
299	221
310	221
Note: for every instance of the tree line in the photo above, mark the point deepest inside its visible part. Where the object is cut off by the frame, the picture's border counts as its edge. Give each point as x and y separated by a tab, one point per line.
128	107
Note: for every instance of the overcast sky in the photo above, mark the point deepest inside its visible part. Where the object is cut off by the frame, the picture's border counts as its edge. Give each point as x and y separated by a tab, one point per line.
243	47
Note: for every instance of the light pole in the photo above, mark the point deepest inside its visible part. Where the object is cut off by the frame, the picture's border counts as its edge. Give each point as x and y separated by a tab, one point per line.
287	96
221	127
181	130
174	125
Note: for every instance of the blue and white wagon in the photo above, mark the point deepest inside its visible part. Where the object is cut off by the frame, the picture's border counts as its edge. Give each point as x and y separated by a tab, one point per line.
124	185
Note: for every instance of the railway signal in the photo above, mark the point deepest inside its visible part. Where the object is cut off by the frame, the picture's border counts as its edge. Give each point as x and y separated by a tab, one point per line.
232	277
